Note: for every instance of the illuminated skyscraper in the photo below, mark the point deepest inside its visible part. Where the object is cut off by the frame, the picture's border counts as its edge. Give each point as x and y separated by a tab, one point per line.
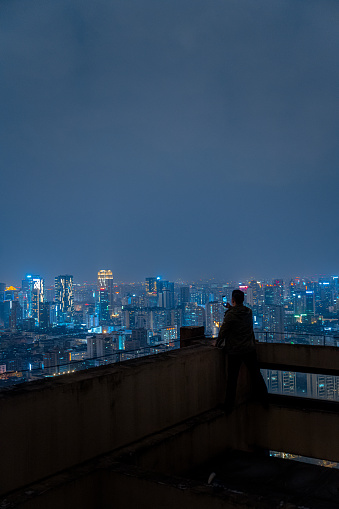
215	312
104	314
105	280
64	298
11	293
2	291
33	296
165	291
151	285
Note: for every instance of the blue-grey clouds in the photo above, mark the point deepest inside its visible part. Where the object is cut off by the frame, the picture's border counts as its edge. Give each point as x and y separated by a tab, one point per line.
139	128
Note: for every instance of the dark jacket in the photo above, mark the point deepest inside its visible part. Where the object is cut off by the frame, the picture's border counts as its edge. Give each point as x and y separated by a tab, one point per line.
236	334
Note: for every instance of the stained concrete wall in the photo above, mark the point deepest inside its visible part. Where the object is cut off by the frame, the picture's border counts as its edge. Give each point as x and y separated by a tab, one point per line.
311	359
310	432
51	425
146	473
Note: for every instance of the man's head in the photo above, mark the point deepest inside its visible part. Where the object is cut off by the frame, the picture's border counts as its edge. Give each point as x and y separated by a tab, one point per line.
238	297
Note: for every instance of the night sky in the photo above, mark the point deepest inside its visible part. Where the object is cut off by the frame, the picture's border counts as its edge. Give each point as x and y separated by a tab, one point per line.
191	139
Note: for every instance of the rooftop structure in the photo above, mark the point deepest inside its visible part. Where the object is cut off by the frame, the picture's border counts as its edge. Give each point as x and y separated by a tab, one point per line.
149	432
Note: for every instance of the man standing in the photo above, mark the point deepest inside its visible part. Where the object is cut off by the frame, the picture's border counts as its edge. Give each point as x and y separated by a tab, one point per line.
236	337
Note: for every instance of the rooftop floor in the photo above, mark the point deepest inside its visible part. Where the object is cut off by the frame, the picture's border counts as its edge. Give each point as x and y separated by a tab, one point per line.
272	480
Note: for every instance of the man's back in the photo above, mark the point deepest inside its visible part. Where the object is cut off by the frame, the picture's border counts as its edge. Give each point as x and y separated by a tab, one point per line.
237	330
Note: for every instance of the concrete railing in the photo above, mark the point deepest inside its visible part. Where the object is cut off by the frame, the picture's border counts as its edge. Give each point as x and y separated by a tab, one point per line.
303	358
54	424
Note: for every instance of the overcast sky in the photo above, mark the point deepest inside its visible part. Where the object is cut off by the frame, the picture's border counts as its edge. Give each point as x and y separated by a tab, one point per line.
185	138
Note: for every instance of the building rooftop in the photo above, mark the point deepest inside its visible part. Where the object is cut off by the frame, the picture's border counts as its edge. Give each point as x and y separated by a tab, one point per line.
149	432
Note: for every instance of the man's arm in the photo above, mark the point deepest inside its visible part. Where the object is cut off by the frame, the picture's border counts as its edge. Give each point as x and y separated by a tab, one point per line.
222	336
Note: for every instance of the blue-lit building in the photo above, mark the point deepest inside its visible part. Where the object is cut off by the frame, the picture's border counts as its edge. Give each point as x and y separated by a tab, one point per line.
32	295
104	314
64	299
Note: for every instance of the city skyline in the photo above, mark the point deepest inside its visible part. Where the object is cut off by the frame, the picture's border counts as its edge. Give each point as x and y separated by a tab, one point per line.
93	280
43	327
49	280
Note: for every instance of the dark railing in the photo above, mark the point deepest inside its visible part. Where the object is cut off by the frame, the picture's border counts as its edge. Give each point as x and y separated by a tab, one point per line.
20	376
27	375
296	338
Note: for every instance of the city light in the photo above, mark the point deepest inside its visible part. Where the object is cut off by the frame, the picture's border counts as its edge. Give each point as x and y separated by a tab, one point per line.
69	326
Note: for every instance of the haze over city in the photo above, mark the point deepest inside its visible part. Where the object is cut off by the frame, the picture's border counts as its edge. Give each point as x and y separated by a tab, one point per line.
188	139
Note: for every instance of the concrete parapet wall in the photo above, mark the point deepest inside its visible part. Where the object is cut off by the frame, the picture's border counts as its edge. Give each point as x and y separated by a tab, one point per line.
311	359
55	424
51	425
310	432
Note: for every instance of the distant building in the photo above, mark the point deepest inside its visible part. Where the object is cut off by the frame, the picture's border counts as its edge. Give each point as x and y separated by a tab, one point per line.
11	293
184	294
104	314
56	361
32	296
169	335
140	335
95	346
215	312
44	315
151	285
105	280
15	314
193	315
64	298
2	291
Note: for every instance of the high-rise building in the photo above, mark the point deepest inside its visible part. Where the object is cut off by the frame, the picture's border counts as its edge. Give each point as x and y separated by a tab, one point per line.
15	314
215	312
151	285
11	293
169	335
2	291
105	280
140	335
95	346
193	315
104	314
165	291
64	298
44	315
32	296
184	294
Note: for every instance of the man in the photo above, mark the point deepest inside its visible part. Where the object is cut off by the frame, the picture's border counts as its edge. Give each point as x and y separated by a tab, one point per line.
236	337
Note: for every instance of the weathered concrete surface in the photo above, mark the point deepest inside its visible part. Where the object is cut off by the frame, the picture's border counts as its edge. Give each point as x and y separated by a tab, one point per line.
179	449
125	487
310	359
190	335
294	426
147	474
104	483
285	481
51	425
290	429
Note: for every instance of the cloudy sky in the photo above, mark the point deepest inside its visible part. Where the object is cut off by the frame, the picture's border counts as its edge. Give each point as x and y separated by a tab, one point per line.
185	138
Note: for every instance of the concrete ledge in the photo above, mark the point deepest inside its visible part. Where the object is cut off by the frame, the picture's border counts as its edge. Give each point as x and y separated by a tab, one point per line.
146	473
304	427
57	423
303	358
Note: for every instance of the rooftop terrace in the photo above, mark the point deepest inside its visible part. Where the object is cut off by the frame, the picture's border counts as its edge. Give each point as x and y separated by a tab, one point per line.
149	432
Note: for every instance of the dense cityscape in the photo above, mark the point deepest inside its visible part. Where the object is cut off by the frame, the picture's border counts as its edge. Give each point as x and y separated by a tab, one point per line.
156	158
50	330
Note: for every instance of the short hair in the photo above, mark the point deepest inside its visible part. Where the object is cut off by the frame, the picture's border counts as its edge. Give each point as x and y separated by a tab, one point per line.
238	296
